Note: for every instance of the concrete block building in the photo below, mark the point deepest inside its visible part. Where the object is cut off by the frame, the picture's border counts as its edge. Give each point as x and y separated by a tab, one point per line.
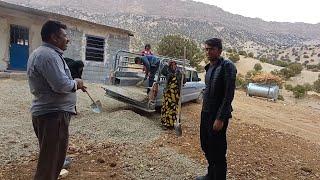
95	44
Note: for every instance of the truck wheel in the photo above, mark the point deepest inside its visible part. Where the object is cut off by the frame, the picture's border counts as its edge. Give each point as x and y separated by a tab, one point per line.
158	109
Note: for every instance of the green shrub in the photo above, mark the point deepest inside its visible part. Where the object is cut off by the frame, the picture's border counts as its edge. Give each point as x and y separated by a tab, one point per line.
257	67
280	63
316	85
250	54
250	74
308	86
229	50
299	91
234	57
240	81
288	87
243	53
296	68
263	59
280	98
286	73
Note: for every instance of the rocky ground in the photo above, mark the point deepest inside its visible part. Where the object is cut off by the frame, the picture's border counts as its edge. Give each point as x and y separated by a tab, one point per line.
266	140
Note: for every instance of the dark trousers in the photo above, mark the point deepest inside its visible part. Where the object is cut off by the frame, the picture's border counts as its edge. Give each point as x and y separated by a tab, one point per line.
52	131
214	146
153	71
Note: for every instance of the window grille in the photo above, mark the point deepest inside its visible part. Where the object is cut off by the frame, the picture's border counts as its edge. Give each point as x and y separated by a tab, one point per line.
95	48
19	35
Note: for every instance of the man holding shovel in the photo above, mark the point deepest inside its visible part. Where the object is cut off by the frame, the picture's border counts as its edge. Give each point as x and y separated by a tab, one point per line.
216	109
54	100
151	64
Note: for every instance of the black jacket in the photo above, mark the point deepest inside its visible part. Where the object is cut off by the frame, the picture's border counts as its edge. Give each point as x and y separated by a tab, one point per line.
220	88
75	66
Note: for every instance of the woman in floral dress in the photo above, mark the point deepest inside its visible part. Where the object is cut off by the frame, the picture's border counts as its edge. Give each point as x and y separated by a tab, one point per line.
171	95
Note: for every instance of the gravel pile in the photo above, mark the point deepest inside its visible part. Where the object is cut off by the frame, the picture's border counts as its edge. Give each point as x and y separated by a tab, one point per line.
123	126
16	132
117	122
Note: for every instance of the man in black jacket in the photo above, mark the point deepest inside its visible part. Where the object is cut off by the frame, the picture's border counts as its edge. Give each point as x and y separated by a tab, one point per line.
216	109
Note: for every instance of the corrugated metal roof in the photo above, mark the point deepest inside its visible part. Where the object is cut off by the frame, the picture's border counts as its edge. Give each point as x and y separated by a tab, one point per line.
39	12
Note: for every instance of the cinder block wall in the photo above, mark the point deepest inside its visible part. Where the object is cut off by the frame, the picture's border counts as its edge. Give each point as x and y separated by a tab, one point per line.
75	45
99	72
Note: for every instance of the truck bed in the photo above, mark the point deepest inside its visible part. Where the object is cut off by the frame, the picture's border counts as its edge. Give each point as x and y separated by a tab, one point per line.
132	95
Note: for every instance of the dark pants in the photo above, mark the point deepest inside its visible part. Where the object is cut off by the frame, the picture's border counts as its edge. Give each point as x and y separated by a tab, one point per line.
153	71
52	131
214	146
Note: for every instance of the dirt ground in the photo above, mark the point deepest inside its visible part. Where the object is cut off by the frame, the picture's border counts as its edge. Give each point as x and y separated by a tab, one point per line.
266	140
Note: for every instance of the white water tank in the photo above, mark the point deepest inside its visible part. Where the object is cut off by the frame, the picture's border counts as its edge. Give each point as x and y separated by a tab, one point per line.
263	90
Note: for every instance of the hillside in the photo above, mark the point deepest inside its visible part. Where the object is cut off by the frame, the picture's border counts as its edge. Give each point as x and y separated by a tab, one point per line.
246	64
193	19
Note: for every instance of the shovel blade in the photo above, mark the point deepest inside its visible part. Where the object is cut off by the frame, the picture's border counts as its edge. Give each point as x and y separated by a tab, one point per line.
178	129
96	107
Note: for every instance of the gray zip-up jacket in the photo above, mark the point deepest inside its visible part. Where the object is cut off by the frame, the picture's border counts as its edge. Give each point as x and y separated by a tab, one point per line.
50	81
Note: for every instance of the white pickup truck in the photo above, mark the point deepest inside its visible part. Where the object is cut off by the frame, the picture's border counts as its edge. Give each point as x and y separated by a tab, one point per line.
127	74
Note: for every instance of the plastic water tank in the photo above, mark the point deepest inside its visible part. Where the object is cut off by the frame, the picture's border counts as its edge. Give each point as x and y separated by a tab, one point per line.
262	90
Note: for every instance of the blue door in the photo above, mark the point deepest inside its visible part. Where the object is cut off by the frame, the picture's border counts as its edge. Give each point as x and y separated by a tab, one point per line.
19	47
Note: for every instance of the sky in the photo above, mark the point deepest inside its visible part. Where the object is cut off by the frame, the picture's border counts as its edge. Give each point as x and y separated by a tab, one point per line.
307	11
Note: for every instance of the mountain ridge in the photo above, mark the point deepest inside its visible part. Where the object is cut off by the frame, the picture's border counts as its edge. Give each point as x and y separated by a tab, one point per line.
181	17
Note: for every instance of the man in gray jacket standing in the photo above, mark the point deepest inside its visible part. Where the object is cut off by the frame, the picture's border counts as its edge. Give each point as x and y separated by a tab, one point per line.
54	100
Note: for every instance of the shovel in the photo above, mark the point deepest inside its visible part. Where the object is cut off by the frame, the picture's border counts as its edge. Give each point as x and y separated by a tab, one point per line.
177	123
96	106
141	83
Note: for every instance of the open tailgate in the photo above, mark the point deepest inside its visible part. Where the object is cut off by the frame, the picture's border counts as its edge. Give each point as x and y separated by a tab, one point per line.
134	96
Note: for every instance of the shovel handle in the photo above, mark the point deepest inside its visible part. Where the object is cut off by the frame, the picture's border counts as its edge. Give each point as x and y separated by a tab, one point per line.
89	96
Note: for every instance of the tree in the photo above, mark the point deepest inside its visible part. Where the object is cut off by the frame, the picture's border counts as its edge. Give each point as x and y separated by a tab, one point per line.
173	46
296	68
316	86
257	67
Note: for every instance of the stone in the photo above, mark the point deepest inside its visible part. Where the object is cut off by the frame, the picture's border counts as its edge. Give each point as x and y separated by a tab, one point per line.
113	164
63	173
101	160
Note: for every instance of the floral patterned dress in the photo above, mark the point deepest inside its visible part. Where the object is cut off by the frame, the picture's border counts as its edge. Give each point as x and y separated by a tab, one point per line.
170	103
